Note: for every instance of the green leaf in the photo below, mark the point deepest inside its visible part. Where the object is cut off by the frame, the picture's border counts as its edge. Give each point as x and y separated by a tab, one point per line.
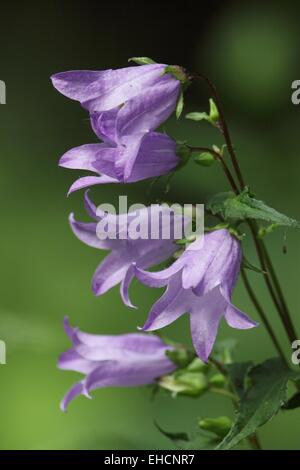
179	439
237	373
204	159
180	105
197	116
213	111
199	440
212	117
261	400
142	60
244	206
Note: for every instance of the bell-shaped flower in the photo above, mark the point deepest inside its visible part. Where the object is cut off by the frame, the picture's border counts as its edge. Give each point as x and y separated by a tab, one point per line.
105	90
139	157
113	361
199	283
159	227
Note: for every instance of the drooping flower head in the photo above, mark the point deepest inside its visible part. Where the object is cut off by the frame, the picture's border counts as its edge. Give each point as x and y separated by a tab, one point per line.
199	283
126	106
105	90
139	157
125	248
113	361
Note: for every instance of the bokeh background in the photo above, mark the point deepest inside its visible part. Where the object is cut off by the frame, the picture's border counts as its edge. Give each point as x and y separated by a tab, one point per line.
251	51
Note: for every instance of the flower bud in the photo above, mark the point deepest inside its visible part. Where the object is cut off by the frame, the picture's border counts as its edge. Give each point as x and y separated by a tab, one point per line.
184	382
219	426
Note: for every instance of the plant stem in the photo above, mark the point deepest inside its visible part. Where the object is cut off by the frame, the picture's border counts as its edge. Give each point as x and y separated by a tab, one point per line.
285	319
265	261
220	159
253	440
277	286
224	129
262	315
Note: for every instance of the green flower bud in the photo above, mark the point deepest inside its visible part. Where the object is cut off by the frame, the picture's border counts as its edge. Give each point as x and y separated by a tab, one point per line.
213	111
217	380
219	426
204	159
186	383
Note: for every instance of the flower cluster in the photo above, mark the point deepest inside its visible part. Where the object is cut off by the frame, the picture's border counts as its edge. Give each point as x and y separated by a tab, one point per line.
126	106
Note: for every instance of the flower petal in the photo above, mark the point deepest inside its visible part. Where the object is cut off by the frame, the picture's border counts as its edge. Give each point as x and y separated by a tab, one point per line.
171	305
148	110
86	232
238	319
205	315
158	278
111	271
81	158
156	156
87	181
104	124
155	254
74	391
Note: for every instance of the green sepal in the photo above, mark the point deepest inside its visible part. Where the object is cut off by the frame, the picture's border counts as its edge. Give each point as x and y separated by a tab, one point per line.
142	60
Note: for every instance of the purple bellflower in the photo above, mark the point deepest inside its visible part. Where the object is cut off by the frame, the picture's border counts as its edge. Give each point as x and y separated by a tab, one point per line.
124	248
106	90
139	157
113	361
126	106
200	283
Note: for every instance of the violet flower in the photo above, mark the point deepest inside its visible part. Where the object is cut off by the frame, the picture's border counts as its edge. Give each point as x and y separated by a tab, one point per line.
138	157
200	283
125	250
105	90
113	361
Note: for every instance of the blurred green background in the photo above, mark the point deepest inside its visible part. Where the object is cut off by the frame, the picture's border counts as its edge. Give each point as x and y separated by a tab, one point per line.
251	51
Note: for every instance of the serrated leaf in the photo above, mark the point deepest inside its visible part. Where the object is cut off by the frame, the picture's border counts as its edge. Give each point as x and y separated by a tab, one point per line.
142	60
180	105
244	206
261	400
